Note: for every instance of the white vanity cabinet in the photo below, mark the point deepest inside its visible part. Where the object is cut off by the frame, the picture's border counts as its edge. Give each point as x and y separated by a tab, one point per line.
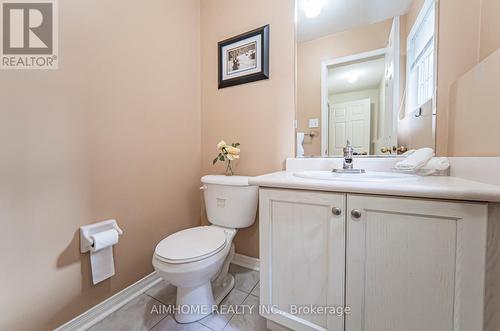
399	264
302	245
415	264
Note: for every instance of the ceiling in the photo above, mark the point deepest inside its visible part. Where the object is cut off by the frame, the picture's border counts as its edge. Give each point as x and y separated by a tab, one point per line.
342	15
370	73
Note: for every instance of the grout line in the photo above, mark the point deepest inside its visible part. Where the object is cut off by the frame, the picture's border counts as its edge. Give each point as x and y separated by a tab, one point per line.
152	297
161	319
234	315
207	326
229	321
253	288
157	323
246	297
159	300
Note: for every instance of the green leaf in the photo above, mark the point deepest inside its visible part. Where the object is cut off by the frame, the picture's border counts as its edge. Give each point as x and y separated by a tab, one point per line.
236	144
221	157
215	160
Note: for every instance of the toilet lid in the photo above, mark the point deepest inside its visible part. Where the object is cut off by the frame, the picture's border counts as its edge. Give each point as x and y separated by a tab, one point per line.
191	245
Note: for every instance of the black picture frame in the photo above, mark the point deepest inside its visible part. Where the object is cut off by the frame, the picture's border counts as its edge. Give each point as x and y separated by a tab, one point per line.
252	77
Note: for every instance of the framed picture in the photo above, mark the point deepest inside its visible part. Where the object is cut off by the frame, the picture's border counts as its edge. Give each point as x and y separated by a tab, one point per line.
244	58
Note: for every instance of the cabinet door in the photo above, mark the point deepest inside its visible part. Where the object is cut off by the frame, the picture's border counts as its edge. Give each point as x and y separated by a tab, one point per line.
302	251
414	264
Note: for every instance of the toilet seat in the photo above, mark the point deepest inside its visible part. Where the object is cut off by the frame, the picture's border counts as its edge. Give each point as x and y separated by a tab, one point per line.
191	245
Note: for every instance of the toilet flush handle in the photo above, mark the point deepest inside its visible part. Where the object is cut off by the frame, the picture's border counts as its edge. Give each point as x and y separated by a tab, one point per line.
203	188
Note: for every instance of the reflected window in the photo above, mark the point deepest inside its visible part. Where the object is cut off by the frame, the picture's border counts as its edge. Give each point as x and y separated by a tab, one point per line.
421	58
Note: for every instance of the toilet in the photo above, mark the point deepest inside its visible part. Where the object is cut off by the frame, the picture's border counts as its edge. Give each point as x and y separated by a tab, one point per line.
196	260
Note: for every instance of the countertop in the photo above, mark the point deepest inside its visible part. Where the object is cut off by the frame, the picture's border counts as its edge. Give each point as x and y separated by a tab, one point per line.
435	187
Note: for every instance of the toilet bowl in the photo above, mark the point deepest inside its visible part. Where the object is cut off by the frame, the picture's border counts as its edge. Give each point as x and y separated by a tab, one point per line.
196	260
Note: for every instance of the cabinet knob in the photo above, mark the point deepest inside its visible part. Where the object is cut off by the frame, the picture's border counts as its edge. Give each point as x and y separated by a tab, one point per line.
355	213
336	211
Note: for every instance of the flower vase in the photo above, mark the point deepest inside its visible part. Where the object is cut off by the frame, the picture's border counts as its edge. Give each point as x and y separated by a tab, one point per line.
229	169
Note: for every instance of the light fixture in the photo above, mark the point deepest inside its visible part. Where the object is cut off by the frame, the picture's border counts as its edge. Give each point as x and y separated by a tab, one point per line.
352	77
312	8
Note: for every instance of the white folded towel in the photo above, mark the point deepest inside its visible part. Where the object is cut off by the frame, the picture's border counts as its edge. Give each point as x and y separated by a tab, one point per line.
300	144
416	160
438	163
434	165
408	153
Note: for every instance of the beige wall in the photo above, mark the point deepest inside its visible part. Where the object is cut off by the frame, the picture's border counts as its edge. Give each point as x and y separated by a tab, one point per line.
309	57
468	32
114	133
259	115
475	117
458	35
490	27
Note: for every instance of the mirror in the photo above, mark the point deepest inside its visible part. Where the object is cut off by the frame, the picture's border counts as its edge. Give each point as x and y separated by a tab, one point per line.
365	73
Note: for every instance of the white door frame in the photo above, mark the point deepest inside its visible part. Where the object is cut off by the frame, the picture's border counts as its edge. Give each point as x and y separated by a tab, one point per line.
396	98
351	58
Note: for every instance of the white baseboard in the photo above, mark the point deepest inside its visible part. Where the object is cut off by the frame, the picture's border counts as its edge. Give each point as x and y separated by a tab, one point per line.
113	303
246	261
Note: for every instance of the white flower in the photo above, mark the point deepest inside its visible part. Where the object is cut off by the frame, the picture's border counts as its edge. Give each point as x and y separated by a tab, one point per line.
221	144
233	150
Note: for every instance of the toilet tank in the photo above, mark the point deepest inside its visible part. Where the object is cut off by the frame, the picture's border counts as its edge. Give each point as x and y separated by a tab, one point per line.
229	200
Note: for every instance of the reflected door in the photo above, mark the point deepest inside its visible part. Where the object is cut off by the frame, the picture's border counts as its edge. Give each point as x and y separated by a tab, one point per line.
350	121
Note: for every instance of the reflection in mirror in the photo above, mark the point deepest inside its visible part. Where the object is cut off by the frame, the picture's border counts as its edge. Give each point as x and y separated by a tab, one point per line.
365	73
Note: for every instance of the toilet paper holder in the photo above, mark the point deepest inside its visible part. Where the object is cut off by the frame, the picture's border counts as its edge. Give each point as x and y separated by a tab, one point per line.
87	230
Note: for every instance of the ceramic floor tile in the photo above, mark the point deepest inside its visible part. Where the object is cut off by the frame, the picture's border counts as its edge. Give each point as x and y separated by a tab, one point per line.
169	324
245	279
256	290
163	292
250	321
137	315
218	320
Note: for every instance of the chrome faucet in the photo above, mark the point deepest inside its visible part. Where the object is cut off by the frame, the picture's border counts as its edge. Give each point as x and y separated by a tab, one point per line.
349	162
348	156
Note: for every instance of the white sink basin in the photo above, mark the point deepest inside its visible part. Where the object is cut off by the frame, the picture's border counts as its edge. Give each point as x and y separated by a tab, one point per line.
369	176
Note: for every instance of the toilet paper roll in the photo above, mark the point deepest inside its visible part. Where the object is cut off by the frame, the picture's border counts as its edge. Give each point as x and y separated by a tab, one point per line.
101	255
102	264
300	144
104	239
